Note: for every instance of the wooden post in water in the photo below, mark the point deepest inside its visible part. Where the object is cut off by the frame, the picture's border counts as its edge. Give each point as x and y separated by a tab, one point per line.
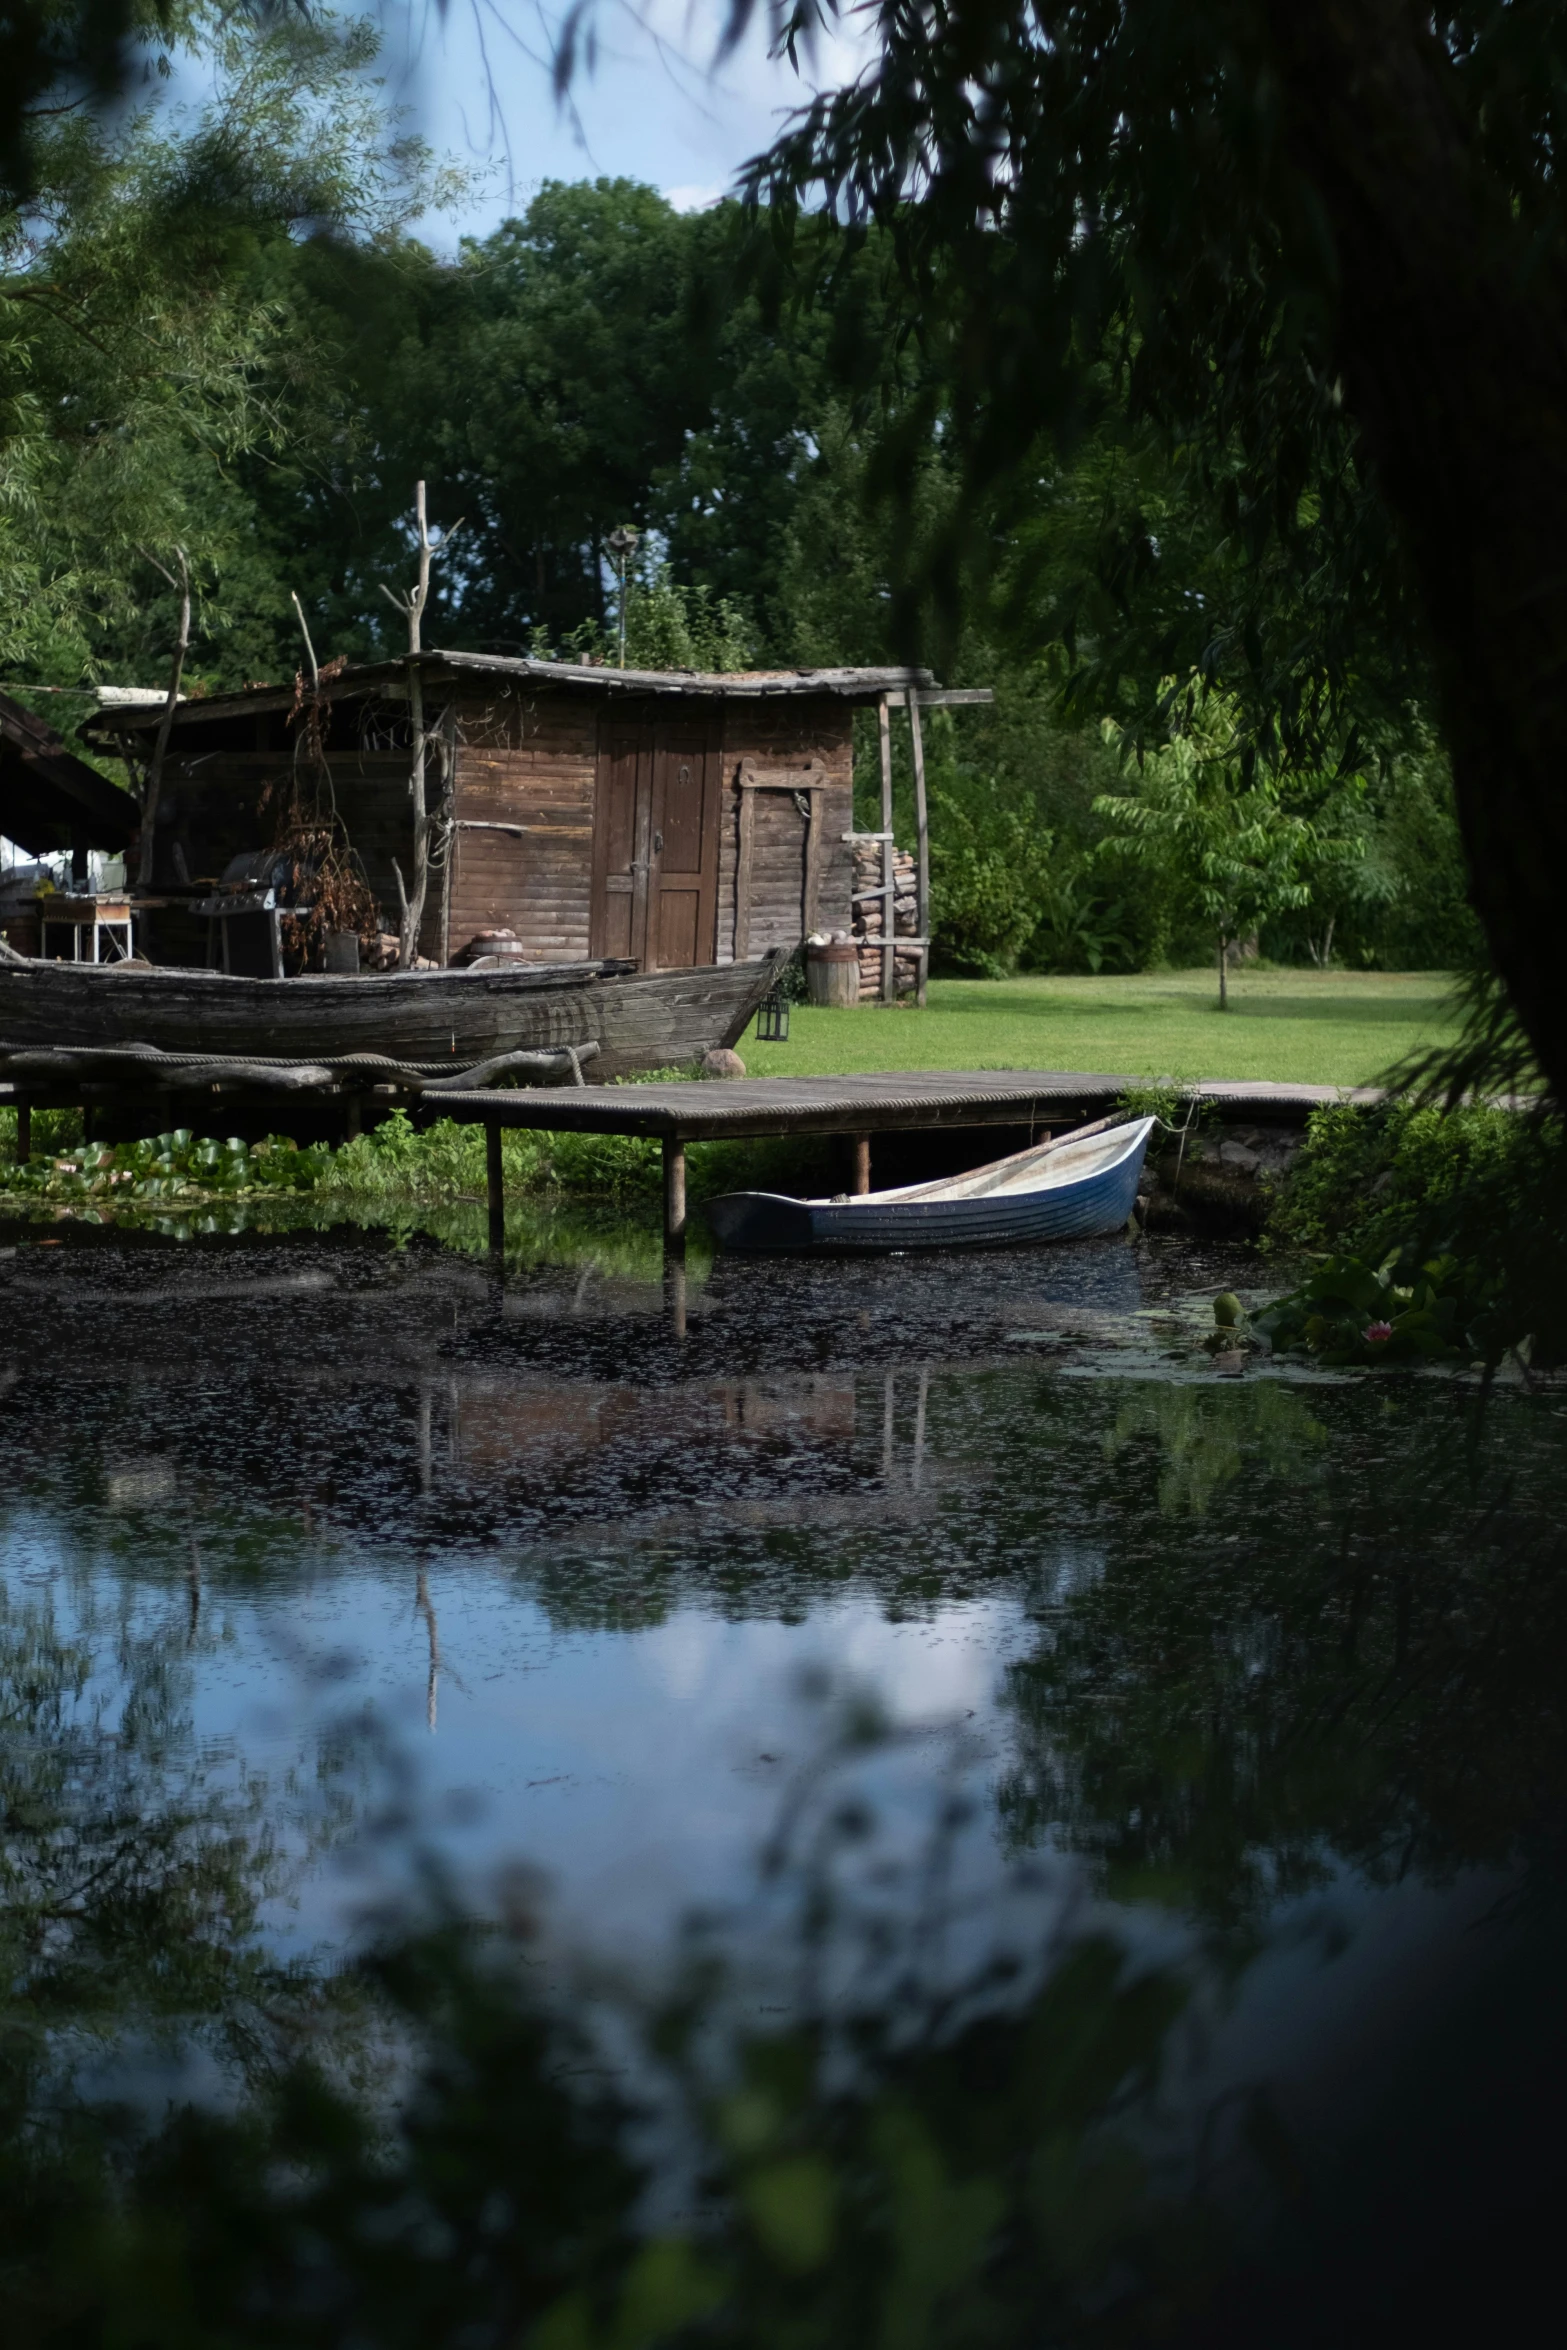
889	952
674	1193
861	1180
495	1186
922	821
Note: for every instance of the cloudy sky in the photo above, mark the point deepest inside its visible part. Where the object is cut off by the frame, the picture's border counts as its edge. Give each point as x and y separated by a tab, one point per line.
653	105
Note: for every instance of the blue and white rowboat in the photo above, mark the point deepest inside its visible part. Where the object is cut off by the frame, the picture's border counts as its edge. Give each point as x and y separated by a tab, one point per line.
1066	1190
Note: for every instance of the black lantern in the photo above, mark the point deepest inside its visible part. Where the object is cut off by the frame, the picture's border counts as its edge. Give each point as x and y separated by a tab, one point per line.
772	1019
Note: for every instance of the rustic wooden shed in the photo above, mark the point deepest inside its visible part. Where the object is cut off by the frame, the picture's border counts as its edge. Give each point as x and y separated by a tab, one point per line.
674	817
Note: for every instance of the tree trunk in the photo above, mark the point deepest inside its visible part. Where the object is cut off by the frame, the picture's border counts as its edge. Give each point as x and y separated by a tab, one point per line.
1224	973
154	782
1452	334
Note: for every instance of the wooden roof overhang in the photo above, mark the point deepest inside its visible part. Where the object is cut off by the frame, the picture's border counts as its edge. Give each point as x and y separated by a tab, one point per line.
371	679
50	799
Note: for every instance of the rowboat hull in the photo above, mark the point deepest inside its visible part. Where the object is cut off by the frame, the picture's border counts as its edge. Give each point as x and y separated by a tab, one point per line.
652	1020
1094	1195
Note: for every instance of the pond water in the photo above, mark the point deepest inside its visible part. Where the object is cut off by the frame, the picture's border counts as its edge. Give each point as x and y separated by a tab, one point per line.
375	1564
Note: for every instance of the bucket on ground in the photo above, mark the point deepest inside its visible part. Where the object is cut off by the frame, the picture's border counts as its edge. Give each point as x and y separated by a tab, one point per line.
832	972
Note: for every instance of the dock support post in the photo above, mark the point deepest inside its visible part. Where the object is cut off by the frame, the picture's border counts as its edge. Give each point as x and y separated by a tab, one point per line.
674	1193
495	1186
860	1181
24	1133
922	824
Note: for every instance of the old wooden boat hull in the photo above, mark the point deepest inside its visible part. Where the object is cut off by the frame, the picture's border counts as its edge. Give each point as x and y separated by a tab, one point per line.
651	1020
1068	1190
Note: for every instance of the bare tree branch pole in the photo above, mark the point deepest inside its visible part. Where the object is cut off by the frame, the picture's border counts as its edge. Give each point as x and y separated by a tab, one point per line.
154	782
411	902
310	650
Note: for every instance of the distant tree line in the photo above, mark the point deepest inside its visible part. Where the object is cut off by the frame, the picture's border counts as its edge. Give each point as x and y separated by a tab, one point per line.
225	340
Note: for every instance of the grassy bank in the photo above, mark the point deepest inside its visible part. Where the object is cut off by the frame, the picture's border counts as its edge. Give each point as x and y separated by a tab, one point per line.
1305	1027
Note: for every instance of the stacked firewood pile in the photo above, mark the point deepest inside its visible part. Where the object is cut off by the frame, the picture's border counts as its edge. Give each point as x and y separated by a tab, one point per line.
868	916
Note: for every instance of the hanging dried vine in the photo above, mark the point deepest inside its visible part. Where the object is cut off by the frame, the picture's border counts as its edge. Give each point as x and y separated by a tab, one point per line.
323	874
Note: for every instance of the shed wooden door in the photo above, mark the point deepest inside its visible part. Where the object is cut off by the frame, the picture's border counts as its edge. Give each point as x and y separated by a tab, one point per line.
655	840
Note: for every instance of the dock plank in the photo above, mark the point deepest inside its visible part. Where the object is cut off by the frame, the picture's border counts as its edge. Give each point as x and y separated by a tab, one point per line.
696	1110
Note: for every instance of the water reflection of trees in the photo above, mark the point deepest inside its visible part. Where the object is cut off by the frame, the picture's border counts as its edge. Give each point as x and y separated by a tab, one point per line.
424	2147
136	1862
1327	1628
1319	1626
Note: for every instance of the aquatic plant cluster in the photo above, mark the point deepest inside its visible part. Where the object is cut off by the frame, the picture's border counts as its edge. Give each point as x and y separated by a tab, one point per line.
180	1168
1353	1312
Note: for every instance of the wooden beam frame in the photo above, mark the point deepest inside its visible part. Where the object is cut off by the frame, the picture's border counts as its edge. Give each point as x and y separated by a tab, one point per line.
889	952
922	825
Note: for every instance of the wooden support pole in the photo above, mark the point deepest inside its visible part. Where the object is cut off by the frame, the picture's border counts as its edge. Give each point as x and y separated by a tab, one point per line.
812	895
922	820
24	1133
861	1180
674	1193
495	1186
889	952
744	855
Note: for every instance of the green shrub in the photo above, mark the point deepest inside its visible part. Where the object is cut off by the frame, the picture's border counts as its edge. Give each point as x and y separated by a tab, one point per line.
1479	1193
1368	1178
990	869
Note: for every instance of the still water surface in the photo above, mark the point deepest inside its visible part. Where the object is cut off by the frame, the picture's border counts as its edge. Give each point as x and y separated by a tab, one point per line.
395	1562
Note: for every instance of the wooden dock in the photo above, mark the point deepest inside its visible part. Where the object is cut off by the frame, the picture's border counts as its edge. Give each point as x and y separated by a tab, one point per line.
678	1112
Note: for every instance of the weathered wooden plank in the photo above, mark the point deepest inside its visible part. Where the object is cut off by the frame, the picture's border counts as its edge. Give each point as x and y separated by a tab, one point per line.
744	876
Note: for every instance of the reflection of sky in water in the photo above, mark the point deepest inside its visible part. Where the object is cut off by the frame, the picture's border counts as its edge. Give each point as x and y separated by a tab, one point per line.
639	1769
262	1507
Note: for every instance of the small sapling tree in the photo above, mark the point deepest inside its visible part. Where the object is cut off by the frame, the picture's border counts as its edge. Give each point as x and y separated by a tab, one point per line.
1215	827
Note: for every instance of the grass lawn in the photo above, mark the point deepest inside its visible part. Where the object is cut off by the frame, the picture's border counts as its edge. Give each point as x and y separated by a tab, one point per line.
1306	1027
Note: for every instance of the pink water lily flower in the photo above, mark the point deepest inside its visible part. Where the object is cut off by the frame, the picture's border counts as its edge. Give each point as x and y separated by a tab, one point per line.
1377	1333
